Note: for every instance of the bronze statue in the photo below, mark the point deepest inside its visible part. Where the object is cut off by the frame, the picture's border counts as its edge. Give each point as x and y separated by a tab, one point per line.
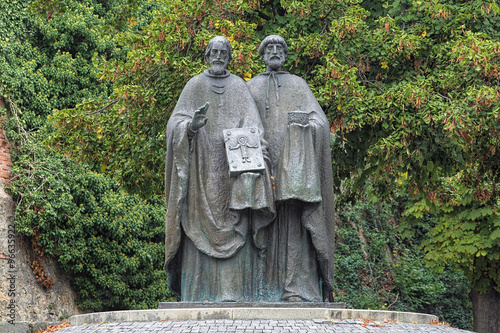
301	243
216	220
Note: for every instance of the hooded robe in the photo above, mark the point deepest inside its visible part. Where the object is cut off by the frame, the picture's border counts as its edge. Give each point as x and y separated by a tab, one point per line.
301	244
215	224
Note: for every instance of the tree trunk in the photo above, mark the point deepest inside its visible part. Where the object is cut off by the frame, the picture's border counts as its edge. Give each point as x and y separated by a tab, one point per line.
486	310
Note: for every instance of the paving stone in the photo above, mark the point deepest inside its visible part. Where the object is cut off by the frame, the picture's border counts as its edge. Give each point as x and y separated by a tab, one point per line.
260	326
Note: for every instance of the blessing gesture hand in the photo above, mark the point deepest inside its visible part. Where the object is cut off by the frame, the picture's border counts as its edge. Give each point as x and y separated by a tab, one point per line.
199	118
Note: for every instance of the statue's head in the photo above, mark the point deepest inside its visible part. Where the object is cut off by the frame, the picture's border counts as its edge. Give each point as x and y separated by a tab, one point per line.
218	54
273	51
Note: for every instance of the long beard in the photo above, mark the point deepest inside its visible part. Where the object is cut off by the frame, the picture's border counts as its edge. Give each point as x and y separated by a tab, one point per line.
275	64
218	69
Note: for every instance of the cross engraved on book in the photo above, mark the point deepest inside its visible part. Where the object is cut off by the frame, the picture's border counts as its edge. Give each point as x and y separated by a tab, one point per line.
243	144
243	150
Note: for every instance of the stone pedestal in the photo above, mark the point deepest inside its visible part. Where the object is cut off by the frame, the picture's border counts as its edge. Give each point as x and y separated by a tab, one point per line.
276	305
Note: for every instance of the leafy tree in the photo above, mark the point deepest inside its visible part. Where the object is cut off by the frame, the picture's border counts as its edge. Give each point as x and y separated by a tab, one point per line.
110	241
432	125
47	51
45	62
127	131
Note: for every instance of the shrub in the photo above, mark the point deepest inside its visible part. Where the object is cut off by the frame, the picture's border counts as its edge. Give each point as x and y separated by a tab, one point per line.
110	241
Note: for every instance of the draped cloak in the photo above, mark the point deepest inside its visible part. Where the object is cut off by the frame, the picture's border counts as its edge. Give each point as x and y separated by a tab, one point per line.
302	171
209	212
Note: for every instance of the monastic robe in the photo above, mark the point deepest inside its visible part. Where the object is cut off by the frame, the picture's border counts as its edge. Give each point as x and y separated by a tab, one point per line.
214	223
301	249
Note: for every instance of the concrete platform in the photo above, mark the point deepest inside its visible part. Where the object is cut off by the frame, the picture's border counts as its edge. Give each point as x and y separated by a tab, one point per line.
305	319
253	313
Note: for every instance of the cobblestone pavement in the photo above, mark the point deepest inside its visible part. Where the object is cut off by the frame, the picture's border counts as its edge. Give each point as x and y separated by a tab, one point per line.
260	326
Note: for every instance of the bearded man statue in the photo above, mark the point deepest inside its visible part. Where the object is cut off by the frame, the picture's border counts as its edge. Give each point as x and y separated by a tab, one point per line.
301	244
216	222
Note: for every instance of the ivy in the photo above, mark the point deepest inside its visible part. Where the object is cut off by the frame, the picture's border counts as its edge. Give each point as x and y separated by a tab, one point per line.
376	268
110	241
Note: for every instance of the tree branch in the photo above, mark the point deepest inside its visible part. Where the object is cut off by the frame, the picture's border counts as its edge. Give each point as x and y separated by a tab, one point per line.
102	109
389	306
324	18
152	75
24	134
445	97
263	16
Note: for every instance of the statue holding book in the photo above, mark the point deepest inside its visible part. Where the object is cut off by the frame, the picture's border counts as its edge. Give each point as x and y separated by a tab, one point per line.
217	213
234	153
301	239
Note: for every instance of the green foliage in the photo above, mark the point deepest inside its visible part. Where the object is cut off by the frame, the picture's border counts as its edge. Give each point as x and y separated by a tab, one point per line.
416	285
411	89
127	131
416	112
466	233
454	305
47	51
377	269
110	241
45	62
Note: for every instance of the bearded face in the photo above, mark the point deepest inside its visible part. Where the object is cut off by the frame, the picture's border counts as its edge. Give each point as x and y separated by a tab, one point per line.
274	56
218	58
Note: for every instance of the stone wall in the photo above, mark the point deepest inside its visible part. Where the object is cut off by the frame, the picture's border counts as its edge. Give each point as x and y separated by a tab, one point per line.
21	297
5	161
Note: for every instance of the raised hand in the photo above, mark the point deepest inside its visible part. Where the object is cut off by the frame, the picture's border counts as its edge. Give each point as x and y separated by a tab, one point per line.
199	118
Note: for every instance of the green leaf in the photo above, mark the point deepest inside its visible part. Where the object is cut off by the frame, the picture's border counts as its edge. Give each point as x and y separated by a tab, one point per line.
495	234
430	166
